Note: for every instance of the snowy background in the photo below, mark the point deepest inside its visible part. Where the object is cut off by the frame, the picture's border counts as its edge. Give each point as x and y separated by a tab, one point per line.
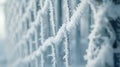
3	60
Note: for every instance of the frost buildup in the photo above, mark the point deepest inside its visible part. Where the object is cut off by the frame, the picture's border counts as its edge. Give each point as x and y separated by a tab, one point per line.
62	33
103	36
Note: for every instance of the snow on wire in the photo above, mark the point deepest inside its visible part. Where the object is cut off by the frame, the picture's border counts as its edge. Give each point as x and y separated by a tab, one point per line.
66	28
54	32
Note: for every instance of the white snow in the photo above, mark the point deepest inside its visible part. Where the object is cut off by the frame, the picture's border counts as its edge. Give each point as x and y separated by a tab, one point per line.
102	37
57	31
58	38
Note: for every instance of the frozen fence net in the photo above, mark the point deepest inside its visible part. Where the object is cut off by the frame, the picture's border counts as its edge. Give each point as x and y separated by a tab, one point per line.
54	33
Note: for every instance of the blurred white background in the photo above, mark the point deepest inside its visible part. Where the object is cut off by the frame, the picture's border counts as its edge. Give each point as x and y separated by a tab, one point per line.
2	35
2	20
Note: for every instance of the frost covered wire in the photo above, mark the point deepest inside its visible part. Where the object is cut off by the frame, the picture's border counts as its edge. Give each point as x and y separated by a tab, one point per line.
66	49
44	18
66	19
34	24
53	55
102	36
52	20
66	11
52	16
59	36
33	27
